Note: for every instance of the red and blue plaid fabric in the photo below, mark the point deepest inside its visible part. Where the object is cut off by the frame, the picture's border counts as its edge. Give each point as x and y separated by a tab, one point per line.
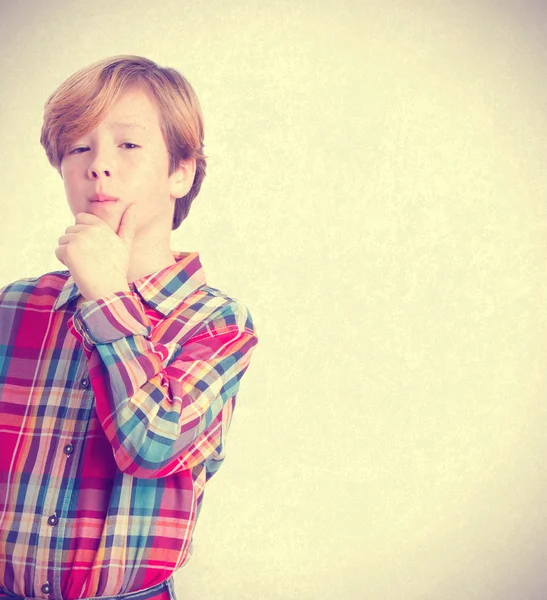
113	416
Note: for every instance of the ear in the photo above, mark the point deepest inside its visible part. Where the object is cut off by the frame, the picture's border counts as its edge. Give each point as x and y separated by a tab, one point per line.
183	178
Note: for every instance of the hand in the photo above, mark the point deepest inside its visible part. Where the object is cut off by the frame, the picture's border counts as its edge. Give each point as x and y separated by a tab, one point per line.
96	256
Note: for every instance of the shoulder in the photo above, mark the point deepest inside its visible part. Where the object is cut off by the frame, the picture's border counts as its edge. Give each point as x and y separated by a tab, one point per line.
20	290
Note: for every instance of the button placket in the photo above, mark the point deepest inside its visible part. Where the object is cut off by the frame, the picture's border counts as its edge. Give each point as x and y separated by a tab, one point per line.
63	501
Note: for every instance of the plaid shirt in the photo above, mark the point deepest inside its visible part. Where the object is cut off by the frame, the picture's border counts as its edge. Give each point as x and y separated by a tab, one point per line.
113	416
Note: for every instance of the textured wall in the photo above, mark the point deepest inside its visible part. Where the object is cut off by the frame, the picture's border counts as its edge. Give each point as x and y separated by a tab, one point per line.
376	196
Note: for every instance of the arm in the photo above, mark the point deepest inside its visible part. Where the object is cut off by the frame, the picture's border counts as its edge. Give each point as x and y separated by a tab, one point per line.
163	419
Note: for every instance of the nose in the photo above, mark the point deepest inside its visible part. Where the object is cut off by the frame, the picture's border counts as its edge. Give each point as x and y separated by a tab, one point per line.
100	166
95	173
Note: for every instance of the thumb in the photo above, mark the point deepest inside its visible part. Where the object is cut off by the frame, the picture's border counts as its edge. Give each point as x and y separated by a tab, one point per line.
128	222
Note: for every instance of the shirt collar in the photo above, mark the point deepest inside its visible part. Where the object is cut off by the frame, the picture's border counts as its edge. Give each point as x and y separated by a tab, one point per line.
163	290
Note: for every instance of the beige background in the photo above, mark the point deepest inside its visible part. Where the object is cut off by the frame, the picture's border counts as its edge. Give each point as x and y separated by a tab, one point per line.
376	196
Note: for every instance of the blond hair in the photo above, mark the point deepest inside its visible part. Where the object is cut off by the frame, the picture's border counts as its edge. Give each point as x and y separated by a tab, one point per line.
78	104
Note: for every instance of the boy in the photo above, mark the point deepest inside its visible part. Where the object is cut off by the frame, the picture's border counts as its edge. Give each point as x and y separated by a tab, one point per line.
118	376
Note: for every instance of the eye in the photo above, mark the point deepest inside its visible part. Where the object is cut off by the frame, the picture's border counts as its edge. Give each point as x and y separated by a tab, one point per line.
83	148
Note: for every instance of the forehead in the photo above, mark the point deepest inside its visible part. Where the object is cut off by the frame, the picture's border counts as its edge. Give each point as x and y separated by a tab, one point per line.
133	109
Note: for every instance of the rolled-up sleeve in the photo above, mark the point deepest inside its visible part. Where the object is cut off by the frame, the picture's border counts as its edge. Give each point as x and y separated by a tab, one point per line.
160	414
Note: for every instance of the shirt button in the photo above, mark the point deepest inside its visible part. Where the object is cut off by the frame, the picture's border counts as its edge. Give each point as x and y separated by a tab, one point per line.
85	383
53	520
46	588
68	449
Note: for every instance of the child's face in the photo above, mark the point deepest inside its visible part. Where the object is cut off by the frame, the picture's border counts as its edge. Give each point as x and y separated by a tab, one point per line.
129	163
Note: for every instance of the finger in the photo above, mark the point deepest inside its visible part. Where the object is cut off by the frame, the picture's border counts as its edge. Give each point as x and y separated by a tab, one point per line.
59	254
84	217
65	239
76	228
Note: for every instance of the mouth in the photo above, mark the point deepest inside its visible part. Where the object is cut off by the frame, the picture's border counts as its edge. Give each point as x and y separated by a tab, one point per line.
102	198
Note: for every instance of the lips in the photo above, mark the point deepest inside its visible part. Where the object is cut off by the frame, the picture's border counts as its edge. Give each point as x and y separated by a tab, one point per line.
102	198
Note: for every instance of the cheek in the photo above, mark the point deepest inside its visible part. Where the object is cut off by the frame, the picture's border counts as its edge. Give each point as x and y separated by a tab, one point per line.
67	176
71	188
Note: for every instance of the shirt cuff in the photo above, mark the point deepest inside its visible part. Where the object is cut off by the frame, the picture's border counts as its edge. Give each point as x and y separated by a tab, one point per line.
108	319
